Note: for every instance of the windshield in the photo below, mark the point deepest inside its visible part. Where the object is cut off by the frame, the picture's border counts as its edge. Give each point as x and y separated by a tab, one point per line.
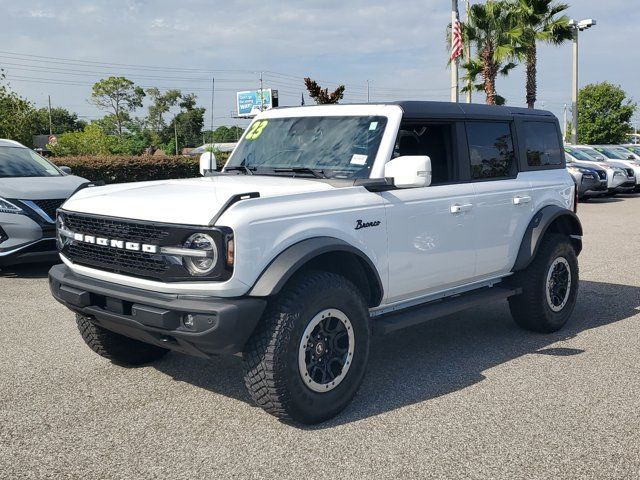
625	152
341	147
634	149
578	155
593	155
22	162
610	153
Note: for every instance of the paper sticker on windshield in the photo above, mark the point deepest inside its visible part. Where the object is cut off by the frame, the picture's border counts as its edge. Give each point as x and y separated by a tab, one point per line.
373	125
358	159
256	129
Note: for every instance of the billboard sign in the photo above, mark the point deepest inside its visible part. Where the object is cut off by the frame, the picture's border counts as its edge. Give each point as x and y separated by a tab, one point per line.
250	103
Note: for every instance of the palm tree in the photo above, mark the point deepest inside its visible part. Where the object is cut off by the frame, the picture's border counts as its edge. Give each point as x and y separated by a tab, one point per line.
540	21
473	67
494	30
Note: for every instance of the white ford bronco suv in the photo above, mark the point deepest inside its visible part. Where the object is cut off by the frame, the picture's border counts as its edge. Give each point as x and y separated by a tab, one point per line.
327	224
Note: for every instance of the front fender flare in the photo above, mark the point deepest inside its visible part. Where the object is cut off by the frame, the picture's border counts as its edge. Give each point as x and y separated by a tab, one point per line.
289	261
539	225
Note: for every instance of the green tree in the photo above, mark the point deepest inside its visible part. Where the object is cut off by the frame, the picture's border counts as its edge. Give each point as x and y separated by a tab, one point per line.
62	121
161	104
16	115
473	68
494	30
91	141
189	122
541	21
322	96
223	134
604	114
119	96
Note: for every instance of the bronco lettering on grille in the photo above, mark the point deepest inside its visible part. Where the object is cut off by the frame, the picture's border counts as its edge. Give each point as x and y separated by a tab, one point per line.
134	246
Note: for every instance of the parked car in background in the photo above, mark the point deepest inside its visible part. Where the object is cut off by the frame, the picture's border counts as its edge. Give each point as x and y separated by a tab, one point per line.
624	150
612	154
630	167
618	179
590	181
633	148
31	189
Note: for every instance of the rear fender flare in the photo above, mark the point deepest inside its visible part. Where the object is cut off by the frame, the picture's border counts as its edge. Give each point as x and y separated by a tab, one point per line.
562	219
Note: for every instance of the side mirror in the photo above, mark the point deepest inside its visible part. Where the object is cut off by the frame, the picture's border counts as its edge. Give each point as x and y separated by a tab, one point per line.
207	163
409	171
66	170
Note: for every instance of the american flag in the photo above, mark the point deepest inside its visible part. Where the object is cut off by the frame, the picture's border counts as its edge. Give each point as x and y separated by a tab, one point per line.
456	40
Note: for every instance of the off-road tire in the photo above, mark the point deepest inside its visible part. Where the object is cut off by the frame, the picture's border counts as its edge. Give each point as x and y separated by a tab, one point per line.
117	348
531	309
270	357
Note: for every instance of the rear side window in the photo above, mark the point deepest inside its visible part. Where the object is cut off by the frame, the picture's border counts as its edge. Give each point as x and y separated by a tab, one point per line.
491	150
542	144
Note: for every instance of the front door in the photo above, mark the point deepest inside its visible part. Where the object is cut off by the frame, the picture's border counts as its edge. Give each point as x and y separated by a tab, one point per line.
430	229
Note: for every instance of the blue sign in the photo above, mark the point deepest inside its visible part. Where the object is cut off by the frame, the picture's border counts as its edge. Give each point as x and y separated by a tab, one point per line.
250	103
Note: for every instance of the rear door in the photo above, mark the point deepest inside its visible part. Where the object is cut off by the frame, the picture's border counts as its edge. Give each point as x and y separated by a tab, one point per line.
503	196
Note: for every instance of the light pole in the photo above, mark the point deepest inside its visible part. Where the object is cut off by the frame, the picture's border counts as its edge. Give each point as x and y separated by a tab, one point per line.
577	26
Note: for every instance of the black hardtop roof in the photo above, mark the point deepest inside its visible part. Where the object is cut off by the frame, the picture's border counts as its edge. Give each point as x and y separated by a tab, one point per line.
420	109
429	109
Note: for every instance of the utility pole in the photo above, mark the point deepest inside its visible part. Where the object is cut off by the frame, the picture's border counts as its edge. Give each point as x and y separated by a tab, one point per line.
577	27
213	91
50	123
175	132
454	62
574	89
261	94
367	91
468	57
564	122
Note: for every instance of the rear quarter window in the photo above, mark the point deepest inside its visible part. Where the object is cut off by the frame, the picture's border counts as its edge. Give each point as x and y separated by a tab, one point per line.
542	144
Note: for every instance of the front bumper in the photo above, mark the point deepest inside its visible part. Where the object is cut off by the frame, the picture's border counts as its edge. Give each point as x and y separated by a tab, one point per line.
24	239
591	185
220	325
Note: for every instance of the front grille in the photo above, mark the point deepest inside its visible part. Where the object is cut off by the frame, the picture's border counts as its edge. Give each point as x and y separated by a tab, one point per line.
156	266
117	261
602	174
629	172
117	229
49	206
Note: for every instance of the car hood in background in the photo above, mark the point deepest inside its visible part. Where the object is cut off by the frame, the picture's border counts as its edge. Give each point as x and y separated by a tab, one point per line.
39	188
189	202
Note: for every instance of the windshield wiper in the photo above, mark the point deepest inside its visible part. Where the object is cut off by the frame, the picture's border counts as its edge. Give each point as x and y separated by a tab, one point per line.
312	171
241	168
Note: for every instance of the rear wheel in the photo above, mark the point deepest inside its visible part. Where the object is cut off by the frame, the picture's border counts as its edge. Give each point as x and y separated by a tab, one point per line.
307	357
549	286
115	347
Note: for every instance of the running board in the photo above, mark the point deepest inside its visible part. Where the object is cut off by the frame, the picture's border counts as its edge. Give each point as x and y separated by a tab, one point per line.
439	308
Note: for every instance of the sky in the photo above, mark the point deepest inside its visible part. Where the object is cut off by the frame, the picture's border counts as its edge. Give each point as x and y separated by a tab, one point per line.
60	48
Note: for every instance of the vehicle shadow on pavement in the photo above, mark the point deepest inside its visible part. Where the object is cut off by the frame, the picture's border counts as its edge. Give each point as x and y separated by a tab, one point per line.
30	270
440	357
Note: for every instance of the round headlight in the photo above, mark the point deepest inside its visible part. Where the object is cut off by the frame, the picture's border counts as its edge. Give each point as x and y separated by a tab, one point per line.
205	254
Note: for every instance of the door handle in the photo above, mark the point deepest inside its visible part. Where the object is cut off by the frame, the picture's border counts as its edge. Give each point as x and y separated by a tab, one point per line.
457	208
521	199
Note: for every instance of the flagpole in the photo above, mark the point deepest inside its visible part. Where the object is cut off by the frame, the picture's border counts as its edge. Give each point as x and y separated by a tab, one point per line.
454	63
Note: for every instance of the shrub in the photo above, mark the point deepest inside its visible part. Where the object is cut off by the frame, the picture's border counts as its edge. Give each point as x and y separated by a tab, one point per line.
115	169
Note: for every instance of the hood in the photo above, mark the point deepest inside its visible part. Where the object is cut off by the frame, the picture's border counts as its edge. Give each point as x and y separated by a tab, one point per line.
189	202
39	188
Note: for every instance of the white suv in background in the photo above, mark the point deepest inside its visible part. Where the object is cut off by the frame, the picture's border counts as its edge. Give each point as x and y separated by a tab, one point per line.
327	223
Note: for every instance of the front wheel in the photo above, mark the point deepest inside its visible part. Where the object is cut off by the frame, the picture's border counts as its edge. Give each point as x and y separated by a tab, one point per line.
307	357
549	287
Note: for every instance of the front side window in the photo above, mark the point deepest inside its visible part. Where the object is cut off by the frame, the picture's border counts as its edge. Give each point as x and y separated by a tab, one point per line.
542	144
333	147
22	162
432	140
491	150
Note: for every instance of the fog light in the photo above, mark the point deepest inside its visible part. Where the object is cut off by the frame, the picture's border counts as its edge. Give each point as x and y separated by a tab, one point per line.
188	320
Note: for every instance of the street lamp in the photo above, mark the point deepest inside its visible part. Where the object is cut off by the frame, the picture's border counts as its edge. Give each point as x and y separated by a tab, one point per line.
577	26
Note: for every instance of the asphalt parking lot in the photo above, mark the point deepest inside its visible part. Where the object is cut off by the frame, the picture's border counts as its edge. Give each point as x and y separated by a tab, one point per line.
467	396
